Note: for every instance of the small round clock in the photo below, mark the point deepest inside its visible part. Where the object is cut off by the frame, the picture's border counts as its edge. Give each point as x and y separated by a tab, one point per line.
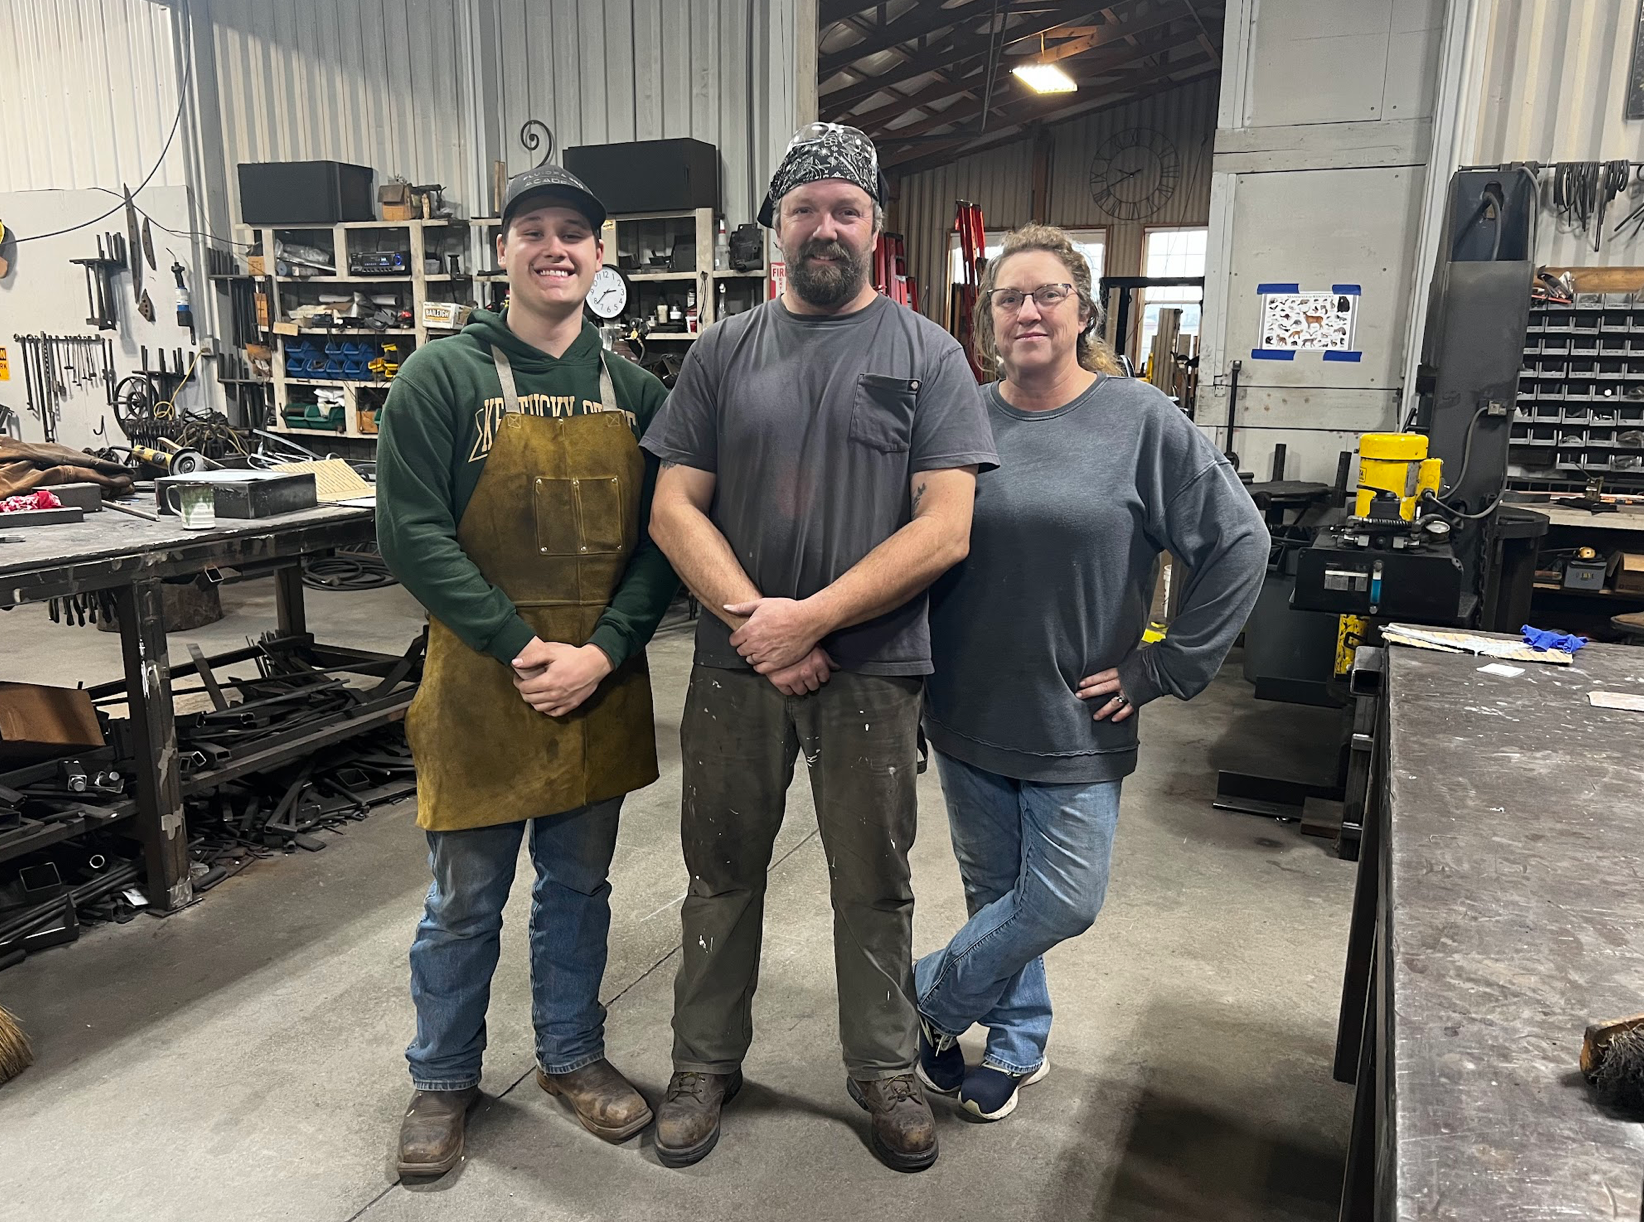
1134	173
608	295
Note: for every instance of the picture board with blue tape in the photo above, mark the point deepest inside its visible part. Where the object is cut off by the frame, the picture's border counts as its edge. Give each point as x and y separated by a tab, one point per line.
1295	321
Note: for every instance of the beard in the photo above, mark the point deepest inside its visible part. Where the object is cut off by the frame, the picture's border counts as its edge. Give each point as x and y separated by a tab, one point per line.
828	285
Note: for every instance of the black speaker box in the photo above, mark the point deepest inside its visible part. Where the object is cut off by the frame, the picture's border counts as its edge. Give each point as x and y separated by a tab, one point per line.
649	175
305	193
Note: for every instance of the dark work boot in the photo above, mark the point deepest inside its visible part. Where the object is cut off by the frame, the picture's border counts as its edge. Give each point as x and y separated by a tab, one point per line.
605	1101
687	1126
904	1131
432	1131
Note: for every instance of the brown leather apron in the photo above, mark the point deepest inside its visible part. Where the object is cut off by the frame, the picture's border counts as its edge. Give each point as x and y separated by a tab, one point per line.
551	524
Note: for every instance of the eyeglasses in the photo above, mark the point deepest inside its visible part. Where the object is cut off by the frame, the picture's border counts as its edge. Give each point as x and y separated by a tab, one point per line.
812	132
1045	297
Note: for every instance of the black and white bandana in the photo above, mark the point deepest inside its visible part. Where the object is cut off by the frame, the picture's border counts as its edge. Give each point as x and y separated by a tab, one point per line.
824	150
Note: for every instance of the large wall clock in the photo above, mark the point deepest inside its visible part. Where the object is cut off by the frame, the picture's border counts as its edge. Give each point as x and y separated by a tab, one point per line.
1134	174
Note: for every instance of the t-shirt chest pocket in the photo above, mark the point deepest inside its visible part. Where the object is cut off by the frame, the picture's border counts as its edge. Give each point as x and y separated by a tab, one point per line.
882	414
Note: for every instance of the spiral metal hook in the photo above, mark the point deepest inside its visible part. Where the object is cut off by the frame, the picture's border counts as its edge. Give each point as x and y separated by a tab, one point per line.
532	142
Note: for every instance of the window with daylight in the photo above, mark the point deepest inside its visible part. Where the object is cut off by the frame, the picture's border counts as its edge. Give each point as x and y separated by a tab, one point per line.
1092	243
1171	252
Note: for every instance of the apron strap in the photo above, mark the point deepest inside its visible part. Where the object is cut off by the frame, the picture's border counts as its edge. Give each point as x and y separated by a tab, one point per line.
607	392
505	375
510	395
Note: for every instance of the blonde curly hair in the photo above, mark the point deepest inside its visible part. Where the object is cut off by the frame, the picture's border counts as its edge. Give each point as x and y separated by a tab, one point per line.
1094	353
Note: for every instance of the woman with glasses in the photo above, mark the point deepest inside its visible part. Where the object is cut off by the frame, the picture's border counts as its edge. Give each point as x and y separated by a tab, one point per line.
1037	646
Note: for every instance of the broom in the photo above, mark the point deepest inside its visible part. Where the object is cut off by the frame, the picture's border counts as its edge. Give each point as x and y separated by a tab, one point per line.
1612	1058
15	1053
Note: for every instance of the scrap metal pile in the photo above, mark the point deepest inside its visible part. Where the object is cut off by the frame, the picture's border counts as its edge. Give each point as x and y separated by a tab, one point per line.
252	789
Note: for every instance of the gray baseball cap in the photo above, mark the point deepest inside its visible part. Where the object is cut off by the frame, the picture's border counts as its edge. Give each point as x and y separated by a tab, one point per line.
551	182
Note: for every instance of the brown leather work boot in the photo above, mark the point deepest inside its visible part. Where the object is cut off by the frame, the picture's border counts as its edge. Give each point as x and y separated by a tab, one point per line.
431	1133
687	1127
904	1131
605	1101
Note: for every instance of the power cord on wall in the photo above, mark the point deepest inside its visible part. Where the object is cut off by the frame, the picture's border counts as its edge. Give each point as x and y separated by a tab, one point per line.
1582	190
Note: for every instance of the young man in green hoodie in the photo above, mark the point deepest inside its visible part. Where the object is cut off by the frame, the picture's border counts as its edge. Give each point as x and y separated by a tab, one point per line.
513	503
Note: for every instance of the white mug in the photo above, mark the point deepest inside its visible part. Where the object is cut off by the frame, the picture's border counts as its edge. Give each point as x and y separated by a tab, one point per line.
194	504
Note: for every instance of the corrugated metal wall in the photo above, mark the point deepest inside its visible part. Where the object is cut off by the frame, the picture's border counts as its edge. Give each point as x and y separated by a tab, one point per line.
1554	79
1001	181
90	93
380	83
603	71
91	85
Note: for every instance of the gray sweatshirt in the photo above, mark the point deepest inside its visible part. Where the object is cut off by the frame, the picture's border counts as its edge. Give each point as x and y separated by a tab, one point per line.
1059	581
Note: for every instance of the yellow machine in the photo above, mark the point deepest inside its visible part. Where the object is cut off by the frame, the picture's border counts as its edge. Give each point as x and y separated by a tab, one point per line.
1396	463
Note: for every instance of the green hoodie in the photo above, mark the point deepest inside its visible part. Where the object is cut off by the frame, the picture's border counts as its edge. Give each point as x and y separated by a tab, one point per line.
436	430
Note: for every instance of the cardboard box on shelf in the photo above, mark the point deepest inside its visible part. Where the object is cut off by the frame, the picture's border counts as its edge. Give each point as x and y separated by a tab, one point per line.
1629	574
394	197
445	315
254	265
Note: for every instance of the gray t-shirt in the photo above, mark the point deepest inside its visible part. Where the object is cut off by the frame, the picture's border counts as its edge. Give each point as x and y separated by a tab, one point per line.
1059	580
814	426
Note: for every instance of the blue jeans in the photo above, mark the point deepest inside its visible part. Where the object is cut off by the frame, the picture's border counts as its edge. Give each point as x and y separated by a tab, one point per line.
460	935
1034	860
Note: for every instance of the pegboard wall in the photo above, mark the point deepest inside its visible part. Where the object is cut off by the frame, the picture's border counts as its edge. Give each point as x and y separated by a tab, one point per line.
44	292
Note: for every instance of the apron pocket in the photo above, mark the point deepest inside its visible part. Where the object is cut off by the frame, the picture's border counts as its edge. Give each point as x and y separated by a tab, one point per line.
586	516
602	515
554	505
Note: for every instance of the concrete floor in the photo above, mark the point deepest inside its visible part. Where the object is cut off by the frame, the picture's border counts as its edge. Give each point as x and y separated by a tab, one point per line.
243	1058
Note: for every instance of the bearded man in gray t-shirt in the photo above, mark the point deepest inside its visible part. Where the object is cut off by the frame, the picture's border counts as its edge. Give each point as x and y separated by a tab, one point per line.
819	459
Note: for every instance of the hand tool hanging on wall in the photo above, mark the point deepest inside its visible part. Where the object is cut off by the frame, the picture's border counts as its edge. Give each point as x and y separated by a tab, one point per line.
31	398
100	283
148	245
57	366
185	316
134	237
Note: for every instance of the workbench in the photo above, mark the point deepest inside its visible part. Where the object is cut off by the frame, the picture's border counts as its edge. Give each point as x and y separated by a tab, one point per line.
1500	908
1586	611
131	557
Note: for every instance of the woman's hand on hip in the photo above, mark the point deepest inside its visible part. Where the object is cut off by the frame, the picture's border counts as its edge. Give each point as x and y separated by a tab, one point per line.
554	679
1104	687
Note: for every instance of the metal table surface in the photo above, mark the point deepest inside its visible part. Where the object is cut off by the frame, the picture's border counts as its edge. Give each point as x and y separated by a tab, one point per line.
110	548
1513	910
131	556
